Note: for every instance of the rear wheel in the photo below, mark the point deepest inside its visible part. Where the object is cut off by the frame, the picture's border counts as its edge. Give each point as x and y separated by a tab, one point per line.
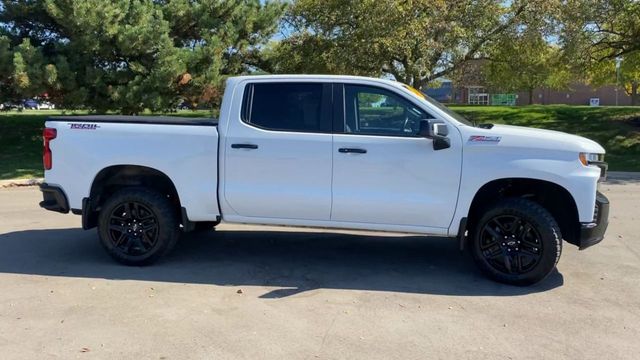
137	226
517	242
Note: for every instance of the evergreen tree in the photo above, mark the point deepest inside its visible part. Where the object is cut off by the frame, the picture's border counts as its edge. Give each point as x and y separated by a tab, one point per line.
129	55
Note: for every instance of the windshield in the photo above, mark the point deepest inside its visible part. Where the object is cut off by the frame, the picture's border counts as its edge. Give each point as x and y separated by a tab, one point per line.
453	114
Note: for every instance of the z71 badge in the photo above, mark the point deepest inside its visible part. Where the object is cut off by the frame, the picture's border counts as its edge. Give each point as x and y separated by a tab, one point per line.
78	126
484	139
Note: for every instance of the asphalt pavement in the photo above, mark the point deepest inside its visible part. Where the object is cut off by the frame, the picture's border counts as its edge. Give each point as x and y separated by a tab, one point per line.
249	292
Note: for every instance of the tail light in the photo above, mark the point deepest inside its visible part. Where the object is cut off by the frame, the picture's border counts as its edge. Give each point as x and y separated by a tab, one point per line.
47	157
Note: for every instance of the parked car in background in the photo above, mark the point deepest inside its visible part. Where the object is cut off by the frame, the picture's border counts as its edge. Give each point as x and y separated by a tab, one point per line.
185	105
30	104
8	106
45	105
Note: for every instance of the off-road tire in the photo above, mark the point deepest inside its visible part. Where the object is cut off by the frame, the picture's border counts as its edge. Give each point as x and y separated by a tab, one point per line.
157	207
538	223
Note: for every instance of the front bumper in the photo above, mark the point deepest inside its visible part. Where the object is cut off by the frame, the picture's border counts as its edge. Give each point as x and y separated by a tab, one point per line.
54	199
593	232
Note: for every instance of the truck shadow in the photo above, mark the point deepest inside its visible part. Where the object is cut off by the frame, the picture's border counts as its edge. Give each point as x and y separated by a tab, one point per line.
292	262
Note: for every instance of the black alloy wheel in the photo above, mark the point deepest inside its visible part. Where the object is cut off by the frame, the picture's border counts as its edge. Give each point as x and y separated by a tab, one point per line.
511	244
516	241
133	228
137	226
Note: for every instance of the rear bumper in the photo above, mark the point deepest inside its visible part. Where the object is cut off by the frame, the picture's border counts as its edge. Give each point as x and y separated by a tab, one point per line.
54	199
593	232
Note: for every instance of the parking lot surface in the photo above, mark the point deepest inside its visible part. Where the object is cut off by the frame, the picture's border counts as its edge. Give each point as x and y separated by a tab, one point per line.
248	292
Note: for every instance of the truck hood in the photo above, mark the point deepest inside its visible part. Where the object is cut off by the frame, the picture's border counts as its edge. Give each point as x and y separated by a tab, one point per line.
542	138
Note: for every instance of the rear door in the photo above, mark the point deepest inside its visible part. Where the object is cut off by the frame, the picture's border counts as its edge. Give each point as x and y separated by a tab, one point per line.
278	159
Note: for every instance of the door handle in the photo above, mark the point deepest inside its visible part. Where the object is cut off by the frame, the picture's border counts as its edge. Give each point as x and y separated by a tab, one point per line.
352	150
244	146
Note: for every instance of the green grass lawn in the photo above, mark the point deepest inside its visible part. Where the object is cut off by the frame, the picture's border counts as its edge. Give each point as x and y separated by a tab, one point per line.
21	143
613	127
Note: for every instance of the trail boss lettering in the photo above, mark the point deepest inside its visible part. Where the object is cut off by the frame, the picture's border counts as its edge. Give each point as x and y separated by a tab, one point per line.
81	126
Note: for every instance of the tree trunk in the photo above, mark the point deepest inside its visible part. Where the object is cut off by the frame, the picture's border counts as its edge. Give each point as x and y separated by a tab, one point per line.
417	82
530	96
634	93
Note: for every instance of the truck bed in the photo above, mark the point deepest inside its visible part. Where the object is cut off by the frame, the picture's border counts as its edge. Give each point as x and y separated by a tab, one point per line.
184	150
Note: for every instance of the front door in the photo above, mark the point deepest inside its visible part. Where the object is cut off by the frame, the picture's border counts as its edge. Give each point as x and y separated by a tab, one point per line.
278	155
383	172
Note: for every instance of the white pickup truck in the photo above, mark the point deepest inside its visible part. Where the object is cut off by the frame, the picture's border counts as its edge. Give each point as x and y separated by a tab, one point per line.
332	152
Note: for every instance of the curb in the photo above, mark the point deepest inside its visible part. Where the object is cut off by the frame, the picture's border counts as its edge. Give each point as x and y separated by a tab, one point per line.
623	175
20	182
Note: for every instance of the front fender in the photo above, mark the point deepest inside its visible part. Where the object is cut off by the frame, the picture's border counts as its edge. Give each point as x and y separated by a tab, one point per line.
580	181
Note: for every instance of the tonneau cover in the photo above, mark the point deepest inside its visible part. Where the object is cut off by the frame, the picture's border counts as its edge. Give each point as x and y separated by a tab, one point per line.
132	119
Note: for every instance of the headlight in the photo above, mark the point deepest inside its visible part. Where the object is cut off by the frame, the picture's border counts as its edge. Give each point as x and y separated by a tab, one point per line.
590	158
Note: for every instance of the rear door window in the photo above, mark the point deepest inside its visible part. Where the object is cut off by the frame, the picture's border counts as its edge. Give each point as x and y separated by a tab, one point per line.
287	106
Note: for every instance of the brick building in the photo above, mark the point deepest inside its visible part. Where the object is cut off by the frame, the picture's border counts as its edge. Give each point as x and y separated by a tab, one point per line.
576	94
471	88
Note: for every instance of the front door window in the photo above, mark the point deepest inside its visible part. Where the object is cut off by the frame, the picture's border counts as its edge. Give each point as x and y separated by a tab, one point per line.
375	111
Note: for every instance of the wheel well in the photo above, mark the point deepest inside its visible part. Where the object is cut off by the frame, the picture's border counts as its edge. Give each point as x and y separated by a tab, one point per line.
553	197
113	178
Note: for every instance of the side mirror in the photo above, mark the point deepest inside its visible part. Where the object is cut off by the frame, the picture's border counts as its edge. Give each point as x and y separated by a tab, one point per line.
436	130
440	129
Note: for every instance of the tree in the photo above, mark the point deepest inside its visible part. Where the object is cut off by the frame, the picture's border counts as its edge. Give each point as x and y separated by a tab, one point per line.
7	90
526	61
595	33
630	76
23	73
132	55
303	53
603	29
415	41
605	72
220	38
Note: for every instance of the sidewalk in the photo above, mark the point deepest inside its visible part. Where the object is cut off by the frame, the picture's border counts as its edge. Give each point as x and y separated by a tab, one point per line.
623	175
20	182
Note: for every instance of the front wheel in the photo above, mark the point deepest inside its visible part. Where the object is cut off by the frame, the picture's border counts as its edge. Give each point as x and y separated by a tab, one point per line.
517	242
137	226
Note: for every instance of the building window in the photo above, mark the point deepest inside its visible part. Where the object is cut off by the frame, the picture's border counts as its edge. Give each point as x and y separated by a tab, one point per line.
478	95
